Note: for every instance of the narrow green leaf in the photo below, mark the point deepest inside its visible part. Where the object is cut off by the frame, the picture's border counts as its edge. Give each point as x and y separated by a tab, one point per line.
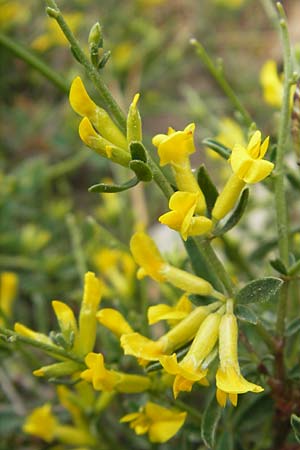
226	441
295	422
207	187
278	265
111	188
199	300
141	169
246	314
199	264
292	327
211	418
236	215
261	290
138	151
104	59
219	148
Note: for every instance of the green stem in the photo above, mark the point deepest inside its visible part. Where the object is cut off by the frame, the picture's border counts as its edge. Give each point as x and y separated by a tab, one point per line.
54	12
215	263
103	90
68	165
218	75
34	61
40	345
283	132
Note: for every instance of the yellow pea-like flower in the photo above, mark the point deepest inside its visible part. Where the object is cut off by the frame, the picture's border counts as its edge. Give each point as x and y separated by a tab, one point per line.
172	314
181	217
100	145
174	148
114	321
248	166
66	319
92	294
229	379
41	423
190	369
160	423
110	380
183	332
101	120
147	255
271	83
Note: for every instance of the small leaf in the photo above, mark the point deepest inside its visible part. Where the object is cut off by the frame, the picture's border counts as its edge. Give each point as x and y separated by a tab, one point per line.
138	151
261	290
104	59
111	188
141	169
278	265
295	422
199	300
236	215
210	420
292	327
219	148
226	441
207	187
246	314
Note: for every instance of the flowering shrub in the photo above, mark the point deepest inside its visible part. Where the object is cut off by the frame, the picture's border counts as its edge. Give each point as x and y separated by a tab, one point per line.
228	325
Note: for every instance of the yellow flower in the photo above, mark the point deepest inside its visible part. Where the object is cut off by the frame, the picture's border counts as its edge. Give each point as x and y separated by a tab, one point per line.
110	142
110	380
141	347
66	320
181	218
190	369
230	133
87	317
171	313
118	268
8	291
27	332
229	379
271	83
114	321
160	423
54	35
147	255
174	148
248	166
41	423
248	163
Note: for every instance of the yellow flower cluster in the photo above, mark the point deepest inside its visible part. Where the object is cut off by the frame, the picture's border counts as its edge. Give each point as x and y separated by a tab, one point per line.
188	205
